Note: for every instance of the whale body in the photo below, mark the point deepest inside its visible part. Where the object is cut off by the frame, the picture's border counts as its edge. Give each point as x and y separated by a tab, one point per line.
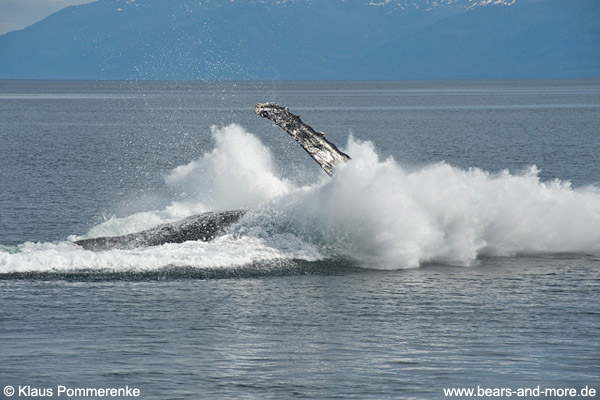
204	227
207	226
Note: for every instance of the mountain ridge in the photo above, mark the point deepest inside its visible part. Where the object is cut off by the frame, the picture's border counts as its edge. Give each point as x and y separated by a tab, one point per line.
307	40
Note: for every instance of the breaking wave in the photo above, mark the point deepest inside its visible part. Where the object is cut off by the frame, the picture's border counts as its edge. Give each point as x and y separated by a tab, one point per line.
376	212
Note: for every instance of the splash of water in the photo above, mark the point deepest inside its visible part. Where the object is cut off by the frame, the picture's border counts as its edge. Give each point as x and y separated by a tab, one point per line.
391	217
238	173
375	211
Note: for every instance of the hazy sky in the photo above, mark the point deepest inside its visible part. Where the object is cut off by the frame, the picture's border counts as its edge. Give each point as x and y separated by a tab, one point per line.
17	14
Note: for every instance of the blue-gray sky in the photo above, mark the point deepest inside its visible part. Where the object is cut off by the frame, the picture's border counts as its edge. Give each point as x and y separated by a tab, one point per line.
18	14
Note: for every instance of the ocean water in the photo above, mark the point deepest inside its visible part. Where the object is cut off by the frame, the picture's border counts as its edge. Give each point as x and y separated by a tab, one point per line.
460	247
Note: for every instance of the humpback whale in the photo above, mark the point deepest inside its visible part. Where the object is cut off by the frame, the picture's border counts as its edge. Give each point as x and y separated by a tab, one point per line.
207	226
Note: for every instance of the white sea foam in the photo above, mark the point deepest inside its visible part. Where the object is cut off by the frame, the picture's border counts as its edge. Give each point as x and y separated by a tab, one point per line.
388	216
224	251
377	212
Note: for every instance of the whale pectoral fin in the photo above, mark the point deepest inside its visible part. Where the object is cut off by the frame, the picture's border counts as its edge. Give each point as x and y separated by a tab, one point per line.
325	153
